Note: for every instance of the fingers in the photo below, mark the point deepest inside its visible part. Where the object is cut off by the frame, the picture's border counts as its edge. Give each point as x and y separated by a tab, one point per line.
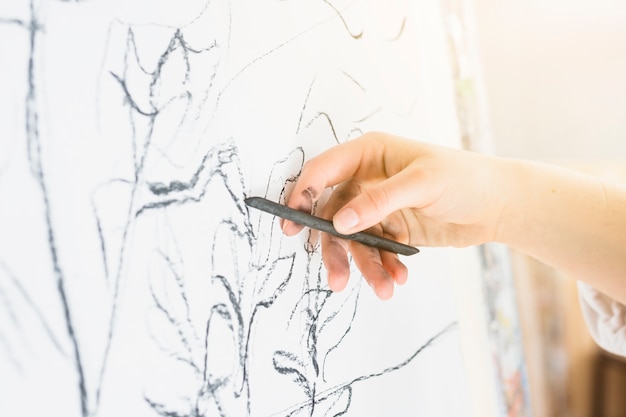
335	257
369	262
396	269
376	202
377	178
328	169
381	269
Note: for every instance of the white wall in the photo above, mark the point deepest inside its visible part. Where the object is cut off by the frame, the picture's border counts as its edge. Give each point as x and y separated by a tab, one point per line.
555	75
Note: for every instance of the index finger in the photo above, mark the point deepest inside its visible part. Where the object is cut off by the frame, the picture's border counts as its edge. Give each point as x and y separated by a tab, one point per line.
331	167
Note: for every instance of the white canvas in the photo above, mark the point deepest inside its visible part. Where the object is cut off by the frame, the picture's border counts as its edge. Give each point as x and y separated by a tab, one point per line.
134	280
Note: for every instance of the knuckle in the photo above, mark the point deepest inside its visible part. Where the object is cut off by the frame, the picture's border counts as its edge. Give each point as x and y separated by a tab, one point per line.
378	198
371	135
307	181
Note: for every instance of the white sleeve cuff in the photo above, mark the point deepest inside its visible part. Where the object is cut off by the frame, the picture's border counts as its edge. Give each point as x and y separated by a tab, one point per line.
605	317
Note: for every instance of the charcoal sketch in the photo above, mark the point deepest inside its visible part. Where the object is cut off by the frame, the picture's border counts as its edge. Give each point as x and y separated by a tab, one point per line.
133	278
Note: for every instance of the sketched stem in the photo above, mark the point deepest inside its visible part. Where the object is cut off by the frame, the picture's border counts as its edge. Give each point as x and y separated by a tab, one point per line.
34	153
348	385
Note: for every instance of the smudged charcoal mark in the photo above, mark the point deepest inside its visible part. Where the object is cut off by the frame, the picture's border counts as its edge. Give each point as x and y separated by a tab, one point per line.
17	22
343	21
311	247
159	188
311	194
286	363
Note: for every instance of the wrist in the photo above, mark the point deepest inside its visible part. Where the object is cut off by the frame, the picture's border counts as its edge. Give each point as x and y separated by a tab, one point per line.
512	199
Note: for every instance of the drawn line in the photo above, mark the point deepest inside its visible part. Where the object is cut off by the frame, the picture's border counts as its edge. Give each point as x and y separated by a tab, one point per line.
343	21
31	304
34	155
334	390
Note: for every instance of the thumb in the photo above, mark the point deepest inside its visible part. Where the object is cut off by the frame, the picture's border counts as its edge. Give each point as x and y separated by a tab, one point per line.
376	202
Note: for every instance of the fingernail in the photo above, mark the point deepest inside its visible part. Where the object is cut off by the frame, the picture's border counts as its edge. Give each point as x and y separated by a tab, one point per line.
345	220
285	226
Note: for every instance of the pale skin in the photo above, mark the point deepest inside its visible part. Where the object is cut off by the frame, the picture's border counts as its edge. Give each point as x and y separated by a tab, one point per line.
427	195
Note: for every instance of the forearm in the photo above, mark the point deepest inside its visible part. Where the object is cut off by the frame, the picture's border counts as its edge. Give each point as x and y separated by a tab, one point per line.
572	222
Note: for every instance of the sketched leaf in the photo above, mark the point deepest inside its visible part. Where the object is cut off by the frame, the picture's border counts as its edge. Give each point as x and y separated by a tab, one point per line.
167	283
306	310
169	322
166	334
229	257
333	323
110	220
281	178
275	279
221	354
288	364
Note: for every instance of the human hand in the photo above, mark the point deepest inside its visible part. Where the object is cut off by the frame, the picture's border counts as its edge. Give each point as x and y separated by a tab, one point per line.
412	192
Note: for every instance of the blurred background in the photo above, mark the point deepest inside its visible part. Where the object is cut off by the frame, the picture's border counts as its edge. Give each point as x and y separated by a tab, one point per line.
554	72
